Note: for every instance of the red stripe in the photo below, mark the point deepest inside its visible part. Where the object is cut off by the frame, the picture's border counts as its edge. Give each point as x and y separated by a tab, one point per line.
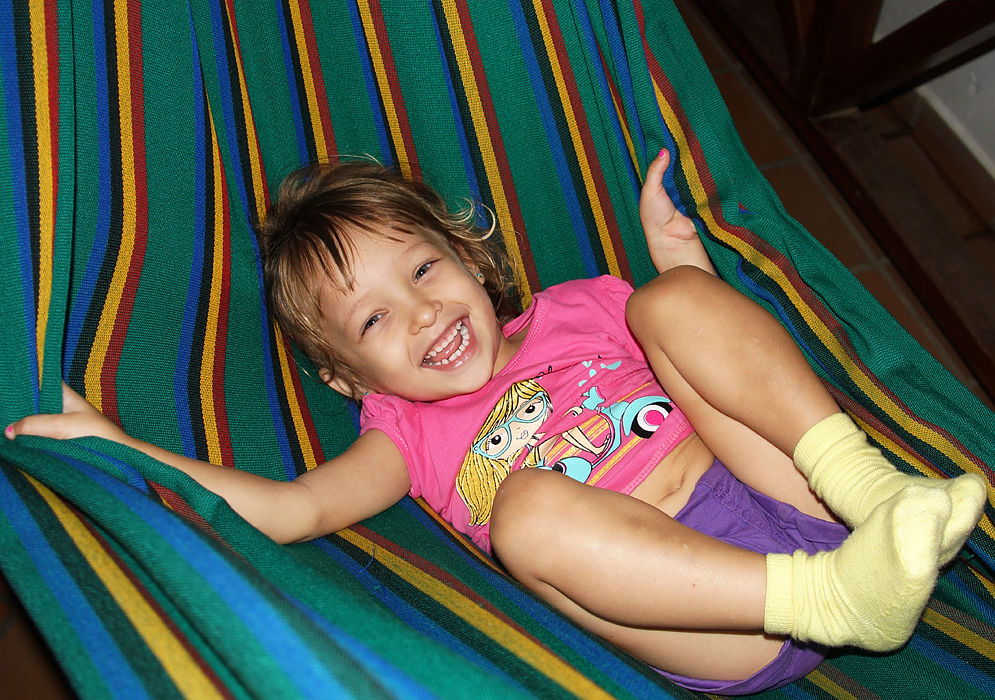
497	143
135	88
443	577
318	79
587	141
295	377
220	349
150	600
383	39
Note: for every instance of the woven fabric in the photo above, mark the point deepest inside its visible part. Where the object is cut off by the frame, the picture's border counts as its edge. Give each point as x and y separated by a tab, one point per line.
139	142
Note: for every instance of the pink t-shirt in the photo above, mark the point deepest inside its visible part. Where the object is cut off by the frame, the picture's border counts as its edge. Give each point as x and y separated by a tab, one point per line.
578	397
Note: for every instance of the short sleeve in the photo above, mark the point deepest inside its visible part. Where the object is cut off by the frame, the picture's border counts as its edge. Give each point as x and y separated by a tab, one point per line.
399	420
616	294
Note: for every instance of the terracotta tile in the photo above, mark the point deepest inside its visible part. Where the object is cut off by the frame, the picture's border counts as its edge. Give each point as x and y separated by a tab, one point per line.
27	668
956	212
806	201
759	132
713	49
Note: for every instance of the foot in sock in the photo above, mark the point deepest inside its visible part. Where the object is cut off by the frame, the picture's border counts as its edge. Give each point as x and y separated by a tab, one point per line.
871	591
852	477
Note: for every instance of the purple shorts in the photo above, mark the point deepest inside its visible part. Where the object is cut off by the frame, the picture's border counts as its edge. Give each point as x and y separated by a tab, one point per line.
728	510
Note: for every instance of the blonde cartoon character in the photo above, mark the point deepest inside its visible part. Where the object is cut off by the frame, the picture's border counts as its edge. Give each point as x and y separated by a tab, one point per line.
512	426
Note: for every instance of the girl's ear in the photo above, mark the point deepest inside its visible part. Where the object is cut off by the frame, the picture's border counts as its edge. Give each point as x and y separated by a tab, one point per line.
337	383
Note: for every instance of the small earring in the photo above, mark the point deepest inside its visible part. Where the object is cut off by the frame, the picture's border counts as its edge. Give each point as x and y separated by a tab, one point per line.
480	275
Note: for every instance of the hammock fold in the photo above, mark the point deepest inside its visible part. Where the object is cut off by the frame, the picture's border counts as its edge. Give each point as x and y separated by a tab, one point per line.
140	142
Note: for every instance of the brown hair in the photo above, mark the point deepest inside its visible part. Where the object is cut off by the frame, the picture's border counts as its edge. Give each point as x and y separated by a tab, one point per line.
307	239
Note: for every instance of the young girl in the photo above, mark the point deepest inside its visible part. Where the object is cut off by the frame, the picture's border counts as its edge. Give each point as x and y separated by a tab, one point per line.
719	572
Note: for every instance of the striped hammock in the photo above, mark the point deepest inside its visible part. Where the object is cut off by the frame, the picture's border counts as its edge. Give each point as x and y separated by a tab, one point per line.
140	139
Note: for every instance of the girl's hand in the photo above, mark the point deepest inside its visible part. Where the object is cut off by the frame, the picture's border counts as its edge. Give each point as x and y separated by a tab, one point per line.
671	237
78	419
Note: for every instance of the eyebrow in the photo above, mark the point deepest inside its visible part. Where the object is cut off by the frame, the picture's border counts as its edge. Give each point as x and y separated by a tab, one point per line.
408	252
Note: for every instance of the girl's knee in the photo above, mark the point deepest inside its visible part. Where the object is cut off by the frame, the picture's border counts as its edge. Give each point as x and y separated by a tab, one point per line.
672	292
527	507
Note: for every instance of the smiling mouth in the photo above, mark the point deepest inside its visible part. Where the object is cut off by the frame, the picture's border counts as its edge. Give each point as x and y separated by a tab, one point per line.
451	347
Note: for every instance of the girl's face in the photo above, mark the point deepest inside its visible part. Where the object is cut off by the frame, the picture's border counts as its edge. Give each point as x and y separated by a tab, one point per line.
416	324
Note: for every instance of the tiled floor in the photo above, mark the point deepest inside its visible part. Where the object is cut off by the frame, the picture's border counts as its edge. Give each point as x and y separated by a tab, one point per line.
27	670
811	198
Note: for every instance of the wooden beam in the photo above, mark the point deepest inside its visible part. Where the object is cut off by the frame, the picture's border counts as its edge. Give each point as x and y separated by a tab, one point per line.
939	40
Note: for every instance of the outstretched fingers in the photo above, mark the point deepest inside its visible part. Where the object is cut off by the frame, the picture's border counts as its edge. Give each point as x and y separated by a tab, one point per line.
78	419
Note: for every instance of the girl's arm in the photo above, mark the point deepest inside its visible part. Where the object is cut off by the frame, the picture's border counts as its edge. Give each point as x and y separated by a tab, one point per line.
366	479
671	237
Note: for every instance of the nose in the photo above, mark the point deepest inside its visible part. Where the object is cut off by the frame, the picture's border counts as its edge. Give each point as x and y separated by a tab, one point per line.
424	313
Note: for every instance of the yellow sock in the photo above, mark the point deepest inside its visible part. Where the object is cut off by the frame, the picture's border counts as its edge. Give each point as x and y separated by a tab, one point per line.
852	477
871	591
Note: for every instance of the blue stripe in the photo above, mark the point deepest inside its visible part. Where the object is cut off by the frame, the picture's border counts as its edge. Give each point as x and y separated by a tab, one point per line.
84	295
458	119
620	61
231	133
556	146
295	102
118	676
384	673
982	609
408	614
376	107
578	640
18	173
953	665
128	472
796	693
185	349
257	613
606	106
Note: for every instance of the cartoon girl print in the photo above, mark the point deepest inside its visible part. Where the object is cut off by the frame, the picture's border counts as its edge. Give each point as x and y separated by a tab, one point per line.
641	417
512	426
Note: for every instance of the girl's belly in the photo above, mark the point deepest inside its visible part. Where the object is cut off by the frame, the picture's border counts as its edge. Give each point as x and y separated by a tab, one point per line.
669	486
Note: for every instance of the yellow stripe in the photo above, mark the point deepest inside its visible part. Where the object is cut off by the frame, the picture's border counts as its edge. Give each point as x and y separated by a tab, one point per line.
960	633
207	378
46	183
487	154
492	626
295	408
883	401
255	162
183	670
385	94
984	580
312	97
625	133
585	166
101	341
830	687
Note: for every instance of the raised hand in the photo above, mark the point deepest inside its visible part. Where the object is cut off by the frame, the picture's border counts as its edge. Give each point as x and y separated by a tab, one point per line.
671	237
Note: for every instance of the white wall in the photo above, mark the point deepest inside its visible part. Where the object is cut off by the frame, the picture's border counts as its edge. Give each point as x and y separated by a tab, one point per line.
964	97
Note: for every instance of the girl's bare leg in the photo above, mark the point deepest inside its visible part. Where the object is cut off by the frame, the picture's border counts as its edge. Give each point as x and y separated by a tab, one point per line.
634	576
690	604
742	381
726	361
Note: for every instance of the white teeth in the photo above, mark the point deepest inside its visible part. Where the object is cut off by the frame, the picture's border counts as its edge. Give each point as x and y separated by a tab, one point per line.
458	328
